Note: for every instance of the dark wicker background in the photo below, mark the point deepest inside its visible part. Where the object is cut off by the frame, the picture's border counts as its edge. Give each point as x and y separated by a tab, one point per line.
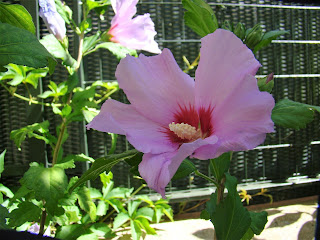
294	59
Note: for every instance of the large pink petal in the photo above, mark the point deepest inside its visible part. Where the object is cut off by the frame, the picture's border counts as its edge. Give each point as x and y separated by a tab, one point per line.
241	121
224	61
137	33
155	86
158	169
144	134
124	10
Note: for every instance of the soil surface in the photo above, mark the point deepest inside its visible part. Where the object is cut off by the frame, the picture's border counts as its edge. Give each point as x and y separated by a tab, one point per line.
293	220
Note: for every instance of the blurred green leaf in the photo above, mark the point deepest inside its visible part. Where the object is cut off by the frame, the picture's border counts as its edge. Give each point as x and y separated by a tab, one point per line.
132	207
16	15
21	47
117	49
199	17
145	212
258	221
86	203
4	213
64	11
135	229
290	114
2	161
144	223
120	219
102	230
187	167
103	164
36	130
119	192
26	212
6	191
72	232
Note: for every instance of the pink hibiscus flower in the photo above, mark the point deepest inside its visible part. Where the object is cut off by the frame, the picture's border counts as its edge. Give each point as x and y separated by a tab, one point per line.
171	116
135	33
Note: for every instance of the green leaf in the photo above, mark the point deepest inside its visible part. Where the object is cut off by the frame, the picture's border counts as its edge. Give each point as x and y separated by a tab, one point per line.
120	219
36	130
72	232
135	230
16	15
220	165
73	213
90	42
103	164
90	236
248	235
145	212
26	212
290	114
187	167
64	11
48	183
102	230
119	193
117	49
57	50
265	84
132	207
199	17
267	38
102	208
6	191
231	220
2	161
21	47
4	213
86	203
144	223
258	221
22	192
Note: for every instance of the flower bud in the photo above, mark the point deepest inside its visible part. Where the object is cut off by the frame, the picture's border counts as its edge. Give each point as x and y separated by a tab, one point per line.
52	19
253	37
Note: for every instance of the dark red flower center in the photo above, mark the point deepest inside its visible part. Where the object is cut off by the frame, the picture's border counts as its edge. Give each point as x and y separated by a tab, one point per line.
190	124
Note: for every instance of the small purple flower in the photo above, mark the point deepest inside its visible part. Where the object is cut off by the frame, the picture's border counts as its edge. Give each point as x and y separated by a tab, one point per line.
171	116
135	33
35	228
52	18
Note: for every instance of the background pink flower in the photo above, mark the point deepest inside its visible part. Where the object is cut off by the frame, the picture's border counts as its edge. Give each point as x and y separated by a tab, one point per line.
171	116
135	33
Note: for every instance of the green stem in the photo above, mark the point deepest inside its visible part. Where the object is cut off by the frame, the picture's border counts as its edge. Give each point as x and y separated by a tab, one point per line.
42	221
107	95
81	36
59	141
207	178
29	100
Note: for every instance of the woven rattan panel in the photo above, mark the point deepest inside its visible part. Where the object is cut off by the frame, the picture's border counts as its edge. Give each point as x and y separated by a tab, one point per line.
294	59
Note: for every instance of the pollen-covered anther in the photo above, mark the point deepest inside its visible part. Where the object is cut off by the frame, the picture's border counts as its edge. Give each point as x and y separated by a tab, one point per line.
184	131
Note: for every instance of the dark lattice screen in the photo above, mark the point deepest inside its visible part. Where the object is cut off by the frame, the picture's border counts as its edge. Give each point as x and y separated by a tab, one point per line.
294	59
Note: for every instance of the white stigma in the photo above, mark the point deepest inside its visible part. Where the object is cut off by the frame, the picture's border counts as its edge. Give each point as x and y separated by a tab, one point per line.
184	131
